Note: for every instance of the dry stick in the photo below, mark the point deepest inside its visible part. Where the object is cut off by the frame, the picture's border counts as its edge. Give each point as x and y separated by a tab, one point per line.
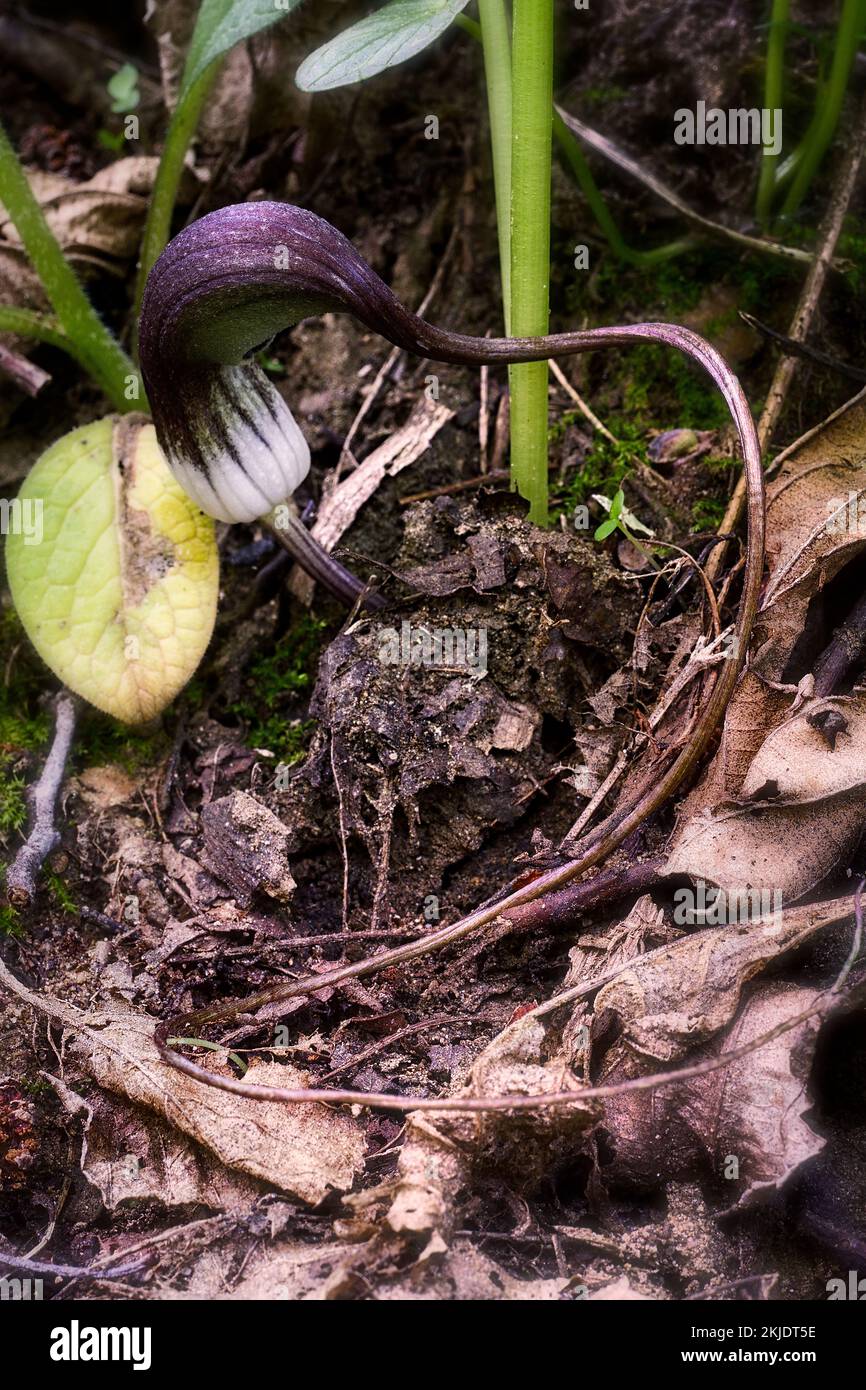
585	410
411	1030
23	372
70	1271
388	365
43	836
600	143
845	649
475	1105
809	354
464	485
800	324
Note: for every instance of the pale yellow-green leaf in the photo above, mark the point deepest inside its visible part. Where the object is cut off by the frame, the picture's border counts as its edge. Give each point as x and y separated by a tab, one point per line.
119	594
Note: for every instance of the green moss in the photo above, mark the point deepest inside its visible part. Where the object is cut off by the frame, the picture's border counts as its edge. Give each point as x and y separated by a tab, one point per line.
707	514
61	894
10	923
274	683
718	464
605	464
101	739
13	804
602	96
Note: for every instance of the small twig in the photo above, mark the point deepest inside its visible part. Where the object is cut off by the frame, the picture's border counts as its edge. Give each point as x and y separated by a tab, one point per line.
610	151
559	374
801	322
23	372
411	1029
465	485
474	1105
793	348
483	417
55	1271
43	837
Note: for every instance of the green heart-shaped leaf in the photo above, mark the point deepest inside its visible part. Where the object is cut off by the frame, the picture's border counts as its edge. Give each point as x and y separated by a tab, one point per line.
113	570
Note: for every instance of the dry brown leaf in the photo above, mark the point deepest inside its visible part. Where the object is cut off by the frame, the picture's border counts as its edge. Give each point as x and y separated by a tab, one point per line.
687	992
801	808
306	1150
777	849
132	1157
819	752
101	219
744	1124
756	707
822	474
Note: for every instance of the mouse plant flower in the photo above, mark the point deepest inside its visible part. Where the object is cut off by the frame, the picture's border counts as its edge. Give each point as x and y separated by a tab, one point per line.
227	284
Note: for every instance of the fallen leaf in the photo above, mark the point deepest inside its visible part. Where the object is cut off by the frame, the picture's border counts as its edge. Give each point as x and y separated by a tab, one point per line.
133	1157
743	1124
819	493
800	811
305	1150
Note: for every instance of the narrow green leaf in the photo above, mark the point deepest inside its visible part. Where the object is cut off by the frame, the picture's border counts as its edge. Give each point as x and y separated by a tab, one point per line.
223	23
390	36
605	529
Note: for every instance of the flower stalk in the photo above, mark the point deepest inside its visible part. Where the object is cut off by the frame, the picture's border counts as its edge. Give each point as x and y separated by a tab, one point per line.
532	135
496	42
229	282
773	95
820	133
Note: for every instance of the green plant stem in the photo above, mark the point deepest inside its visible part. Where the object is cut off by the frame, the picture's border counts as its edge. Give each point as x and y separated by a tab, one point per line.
24	323
576	159
828	110
773	82
181	130
94	345
27	324
532	87
496	42
578	166
211	1047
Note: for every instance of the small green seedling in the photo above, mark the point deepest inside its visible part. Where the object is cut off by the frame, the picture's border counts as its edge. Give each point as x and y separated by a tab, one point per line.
619	518
123	89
